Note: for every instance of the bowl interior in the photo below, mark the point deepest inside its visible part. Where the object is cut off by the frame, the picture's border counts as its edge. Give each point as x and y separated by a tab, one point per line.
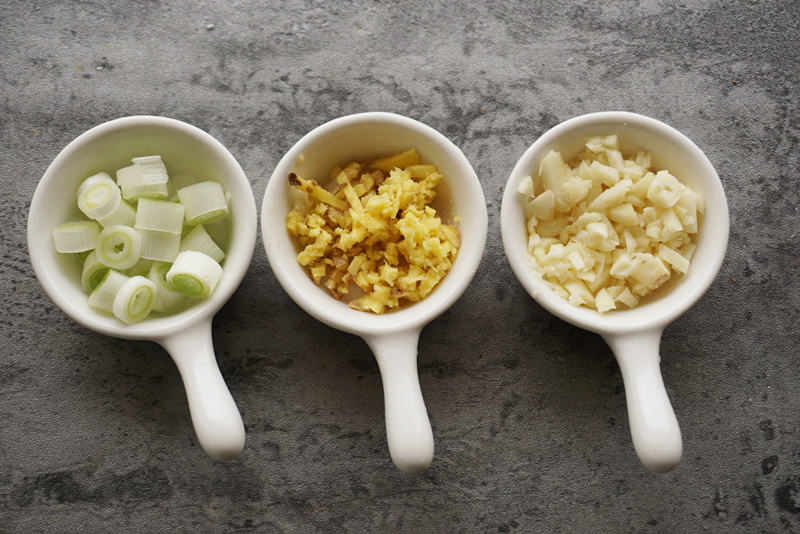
107	148
360	138
670	150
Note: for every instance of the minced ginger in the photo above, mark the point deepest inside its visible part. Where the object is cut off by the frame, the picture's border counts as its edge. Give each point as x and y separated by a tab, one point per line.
373	227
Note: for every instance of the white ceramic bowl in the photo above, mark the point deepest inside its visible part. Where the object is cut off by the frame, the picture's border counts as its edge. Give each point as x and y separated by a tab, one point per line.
393	336
186	335
634	335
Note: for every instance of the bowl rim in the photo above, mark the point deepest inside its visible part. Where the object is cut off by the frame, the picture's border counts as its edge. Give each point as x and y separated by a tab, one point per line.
295	280
236	263
662	310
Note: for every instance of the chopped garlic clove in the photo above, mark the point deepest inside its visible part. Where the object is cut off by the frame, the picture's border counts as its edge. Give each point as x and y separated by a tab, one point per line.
612	197
615	159
543	206
595	144
627	298
671	226
688	251
555	173
624	214
611	141
640	188
664	190
625	265
688	202
604	174
651	272
579	292
576	260
632	171
573	191
674	258
526	187
643	159
604	301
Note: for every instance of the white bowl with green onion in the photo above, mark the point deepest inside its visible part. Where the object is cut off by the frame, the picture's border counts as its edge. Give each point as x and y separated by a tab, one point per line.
64	195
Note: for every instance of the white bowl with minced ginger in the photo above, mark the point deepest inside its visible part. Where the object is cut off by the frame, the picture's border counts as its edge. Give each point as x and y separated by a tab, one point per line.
393	336
633	334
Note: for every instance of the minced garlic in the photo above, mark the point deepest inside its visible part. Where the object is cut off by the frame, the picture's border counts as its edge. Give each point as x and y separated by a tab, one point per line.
605	229
373	227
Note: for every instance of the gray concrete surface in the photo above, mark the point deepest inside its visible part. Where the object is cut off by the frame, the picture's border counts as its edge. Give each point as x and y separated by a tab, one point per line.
528	412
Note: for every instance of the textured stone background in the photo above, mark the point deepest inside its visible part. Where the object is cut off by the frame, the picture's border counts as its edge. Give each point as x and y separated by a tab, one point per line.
528	412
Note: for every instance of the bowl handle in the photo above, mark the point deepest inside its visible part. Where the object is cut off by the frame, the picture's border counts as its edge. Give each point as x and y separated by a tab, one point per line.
216	418
654	427
408	429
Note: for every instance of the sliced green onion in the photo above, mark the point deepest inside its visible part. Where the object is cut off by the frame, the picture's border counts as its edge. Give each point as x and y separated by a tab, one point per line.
159	215
134	300
199	240
98	196
159	246
125	214
168	299
210	216
119	247
76	236
135	184
130	175
145	170
194	274
137	191
152	170
205	202
102	298
93	272
142	266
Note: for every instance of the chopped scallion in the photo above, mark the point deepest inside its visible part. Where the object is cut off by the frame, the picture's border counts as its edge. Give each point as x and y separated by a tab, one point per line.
168	299
159	246
152	170
199	240
76	236
159	215
205	202
194	274
103	295
98	196
134	300
137	191
93	272
119	247
125	214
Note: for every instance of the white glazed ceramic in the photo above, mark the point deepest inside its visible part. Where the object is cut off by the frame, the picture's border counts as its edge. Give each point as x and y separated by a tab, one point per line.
393	337
186	335
633	335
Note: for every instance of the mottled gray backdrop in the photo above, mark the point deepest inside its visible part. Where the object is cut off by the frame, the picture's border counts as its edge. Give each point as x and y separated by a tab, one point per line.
528	412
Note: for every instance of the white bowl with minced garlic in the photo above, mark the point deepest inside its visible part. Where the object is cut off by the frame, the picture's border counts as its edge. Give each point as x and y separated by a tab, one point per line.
677	256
